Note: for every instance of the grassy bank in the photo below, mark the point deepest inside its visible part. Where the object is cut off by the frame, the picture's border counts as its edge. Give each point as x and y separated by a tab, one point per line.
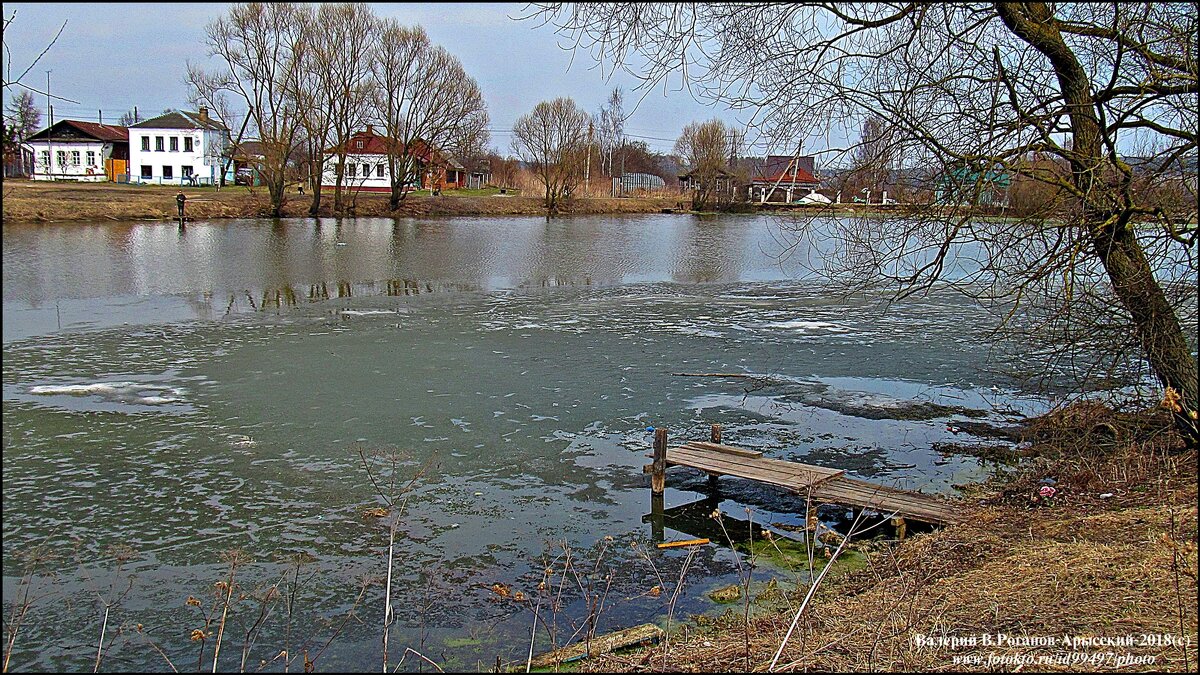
1112	554
45	202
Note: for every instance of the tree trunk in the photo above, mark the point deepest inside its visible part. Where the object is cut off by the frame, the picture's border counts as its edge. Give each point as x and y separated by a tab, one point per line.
1115	243
275	188
314	208
1159	332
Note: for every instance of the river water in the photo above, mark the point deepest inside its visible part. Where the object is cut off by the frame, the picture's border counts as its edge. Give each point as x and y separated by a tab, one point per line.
185	392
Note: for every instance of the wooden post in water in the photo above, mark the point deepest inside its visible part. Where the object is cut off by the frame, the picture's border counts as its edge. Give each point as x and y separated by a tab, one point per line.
658	468
657	518
715	437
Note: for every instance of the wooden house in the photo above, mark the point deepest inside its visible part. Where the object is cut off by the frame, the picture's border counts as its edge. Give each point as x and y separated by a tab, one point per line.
80	151
782	178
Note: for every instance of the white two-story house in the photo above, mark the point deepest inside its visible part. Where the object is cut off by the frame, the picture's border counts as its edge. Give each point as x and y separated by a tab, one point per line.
81	151
178	148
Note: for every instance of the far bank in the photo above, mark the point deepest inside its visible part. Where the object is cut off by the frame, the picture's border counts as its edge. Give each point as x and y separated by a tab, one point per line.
44	202
28	201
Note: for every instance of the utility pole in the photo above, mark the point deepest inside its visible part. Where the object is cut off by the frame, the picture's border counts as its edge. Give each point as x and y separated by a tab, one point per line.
587	173
49	136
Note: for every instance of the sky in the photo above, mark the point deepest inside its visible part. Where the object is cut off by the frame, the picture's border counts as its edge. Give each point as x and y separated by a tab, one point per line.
114	56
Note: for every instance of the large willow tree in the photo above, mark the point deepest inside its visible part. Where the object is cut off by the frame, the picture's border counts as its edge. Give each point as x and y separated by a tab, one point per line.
1096	101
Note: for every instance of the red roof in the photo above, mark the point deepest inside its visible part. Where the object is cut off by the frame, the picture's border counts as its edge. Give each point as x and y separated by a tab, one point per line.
105	132
796	176
374	144
101	132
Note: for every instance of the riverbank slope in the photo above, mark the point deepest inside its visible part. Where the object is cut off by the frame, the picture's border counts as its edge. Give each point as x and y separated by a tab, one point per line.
1109	558
28	201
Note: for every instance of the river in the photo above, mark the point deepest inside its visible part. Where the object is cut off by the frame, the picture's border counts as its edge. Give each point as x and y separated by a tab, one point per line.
184	392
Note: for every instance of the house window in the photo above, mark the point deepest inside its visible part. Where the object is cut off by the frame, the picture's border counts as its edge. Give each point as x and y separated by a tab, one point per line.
187	143
91	158
185	171
147	172
351	169
74	158
145	144
379	170
358	144
168	172
366	170
158	144
174	144
62	157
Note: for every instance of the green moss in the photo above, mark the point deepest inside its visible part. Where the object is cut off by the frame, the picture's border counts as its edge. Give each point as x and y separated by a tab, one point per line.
791	555
459	642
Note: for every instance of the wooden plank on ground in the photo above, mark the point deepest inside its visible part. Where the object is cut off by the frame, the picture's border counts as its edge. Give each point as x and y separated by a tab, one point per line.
646	633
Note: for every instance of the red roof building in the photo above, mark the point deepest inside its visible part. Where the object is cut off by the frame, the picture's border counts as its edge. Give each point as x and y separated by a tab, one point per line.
783	178
82	151
366	165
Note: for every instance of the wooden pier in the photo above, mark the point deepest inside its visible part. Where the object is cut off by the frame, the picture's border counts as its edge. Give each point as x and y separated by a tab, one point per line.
822	484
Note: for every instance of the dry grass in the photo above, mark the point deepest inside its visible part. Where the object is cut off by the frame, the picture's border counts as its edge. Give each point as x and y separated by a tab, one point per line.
1077	564
44	202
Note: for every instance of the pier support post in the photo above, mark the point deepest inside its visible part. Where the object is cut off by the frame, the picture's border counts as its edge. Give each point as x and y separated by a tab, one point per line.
658	468
714	437
657	518
901	528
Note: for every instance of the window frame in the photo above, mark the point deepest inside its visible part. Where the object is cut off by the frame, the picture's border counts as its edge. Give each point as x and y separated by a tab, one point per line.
173	143
145	144
188	144
168	172
147	171
158	144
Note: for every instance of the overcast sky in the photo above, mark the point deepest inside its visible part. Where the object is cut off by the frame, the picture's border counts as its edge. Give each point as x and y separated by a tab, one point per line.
114	56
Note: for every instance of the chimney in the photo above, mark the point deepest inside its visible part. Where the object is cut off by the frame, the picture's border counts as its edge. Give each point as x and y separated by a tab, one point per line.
203	114
370	129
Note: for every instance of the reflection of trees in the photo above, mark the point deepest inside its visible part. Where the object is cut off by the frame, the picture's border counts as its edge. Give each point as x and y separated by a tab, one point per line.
708	253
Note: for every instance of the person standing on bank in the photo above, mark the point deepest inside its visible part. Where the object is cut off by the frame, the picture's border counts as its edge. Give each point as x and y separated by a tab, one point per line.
180	199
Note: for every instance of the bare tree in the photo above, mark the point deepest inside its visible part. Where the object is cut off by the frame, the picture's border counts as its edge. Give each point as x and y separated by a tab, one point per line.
342	42
425	101
504	169
872	158
314	133
260	45
705	148
610	129
21	120
552	141
970	89
129	118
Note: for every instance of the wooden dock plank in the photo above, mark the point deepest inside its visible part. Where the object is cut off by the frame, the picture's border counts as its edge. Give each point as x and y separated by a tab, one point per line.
727	449
762	469
826	484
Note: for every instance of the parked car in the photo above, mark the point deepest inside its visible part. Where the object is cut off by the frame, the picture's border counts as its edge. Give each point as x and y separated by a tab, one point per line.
244	176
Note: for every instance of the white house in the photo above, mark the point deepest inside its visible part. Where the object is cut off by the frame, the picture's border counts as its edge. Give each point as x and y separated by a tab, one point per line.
366	167
80	151
178	148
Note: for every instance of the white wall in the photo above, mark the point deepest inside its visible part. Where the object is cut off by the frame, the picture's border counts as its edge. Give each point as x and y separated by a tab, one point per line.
203	158
68	165
329	176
